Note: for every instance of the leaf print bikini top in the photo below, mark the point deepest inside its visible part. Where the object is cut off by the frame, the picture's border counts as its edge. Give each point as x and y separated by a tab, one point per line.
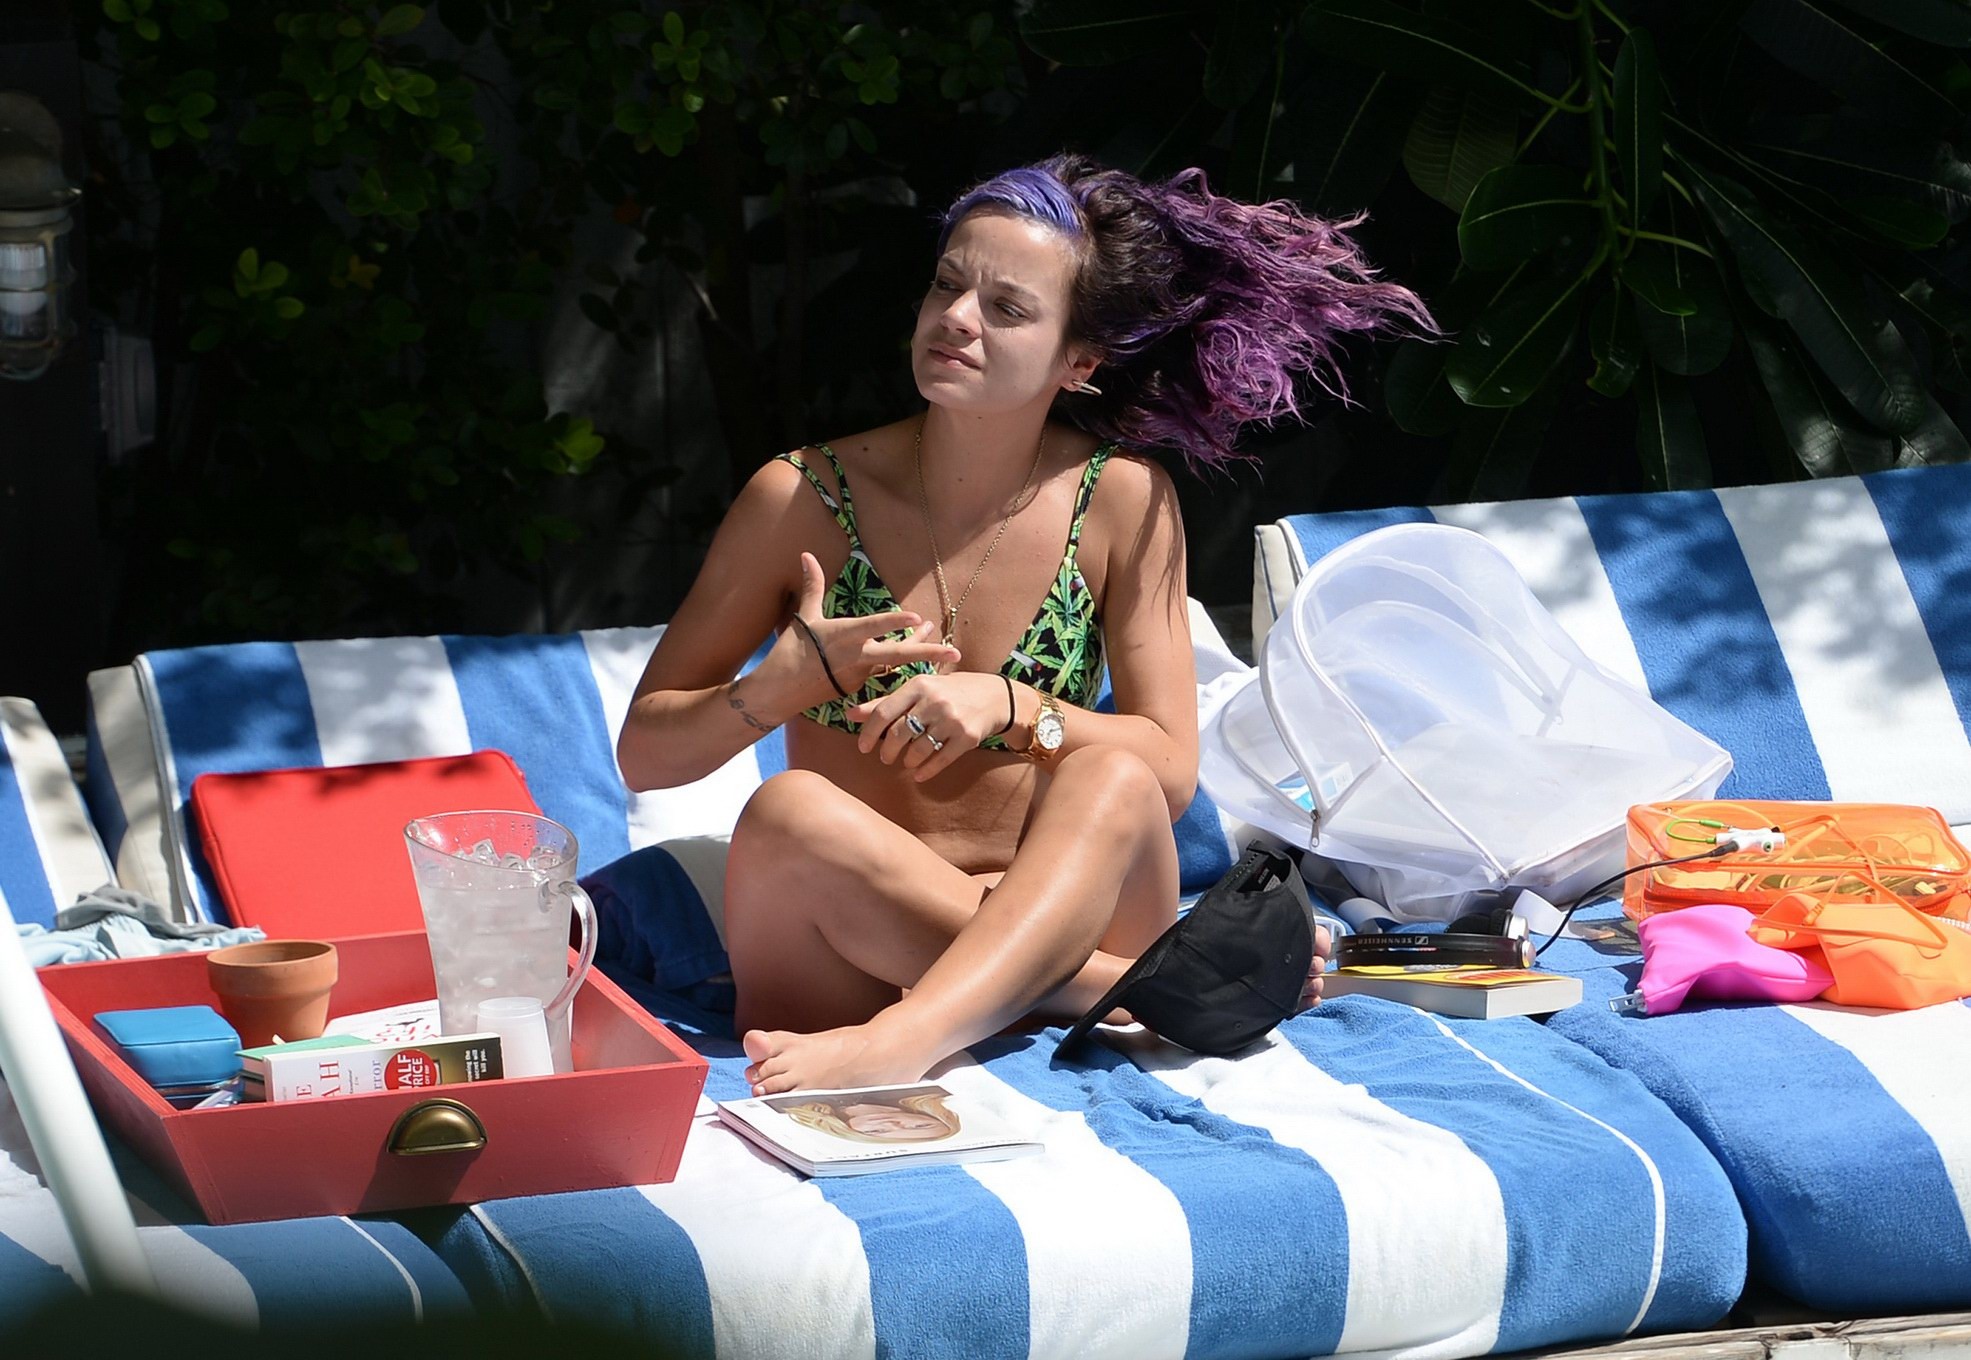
1061	652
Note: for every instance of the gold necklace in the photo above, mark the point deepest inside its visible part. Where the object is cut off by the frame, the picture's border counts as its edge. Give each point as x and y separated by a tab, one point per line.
950	631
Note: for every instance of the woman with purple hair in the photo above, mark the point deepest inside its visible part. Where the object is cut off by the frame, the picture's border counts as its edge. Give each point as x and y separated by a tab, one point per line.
959	840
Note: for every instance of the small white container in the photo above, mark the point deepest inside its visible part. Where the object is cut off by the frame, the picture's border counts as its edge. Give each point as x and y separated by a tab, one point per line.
521	1024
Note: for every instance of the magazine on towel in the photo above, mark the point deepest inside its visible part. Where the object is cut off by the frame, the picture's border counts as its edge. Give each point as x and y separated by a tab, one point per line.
856	1131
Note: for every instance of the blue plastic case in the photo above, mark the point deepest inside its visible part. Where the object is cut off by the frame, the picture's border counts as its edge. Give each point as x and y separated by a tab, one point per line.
174	1045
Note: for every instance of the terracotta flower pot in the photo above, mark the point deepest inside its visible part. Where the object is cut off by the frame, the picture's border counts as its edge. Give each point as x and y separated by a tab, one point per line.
274	987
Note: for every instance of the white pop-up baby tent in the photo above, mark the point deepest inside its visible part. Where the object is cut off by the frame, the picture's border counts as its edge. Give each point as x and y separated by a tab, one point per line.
1420	719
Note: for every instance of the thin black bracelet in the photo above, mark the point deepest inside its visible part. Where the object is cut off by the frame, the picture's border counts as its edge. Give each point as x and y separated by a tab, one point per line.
826	669
1007	726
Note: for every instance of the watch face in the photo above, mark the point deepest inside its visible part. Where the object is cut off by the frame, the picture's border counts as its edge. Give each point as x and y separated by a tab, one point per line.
1050	731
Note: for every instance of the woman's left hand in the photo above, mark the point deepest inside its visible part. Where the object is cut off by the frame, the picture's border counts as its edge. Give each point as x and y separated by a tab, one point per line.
956	711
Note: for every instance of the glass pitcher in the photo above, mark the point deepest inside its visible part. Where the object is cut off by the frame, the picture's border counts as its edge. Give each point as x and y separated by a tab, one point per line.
496	889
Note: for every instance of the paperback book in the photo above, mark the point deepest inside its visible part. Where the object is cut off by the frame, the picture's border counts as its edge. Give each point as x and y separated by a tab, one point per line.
1470	993
874	1128
344	1065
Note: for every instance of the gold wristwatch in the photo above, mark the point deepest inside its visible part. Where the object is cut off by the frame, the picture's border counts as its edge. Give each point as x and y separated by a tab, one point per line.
1050	730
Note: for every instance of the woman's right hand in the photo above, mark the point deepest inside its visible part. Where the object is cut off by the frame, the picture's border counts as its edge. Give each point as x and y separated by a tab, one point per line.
851	646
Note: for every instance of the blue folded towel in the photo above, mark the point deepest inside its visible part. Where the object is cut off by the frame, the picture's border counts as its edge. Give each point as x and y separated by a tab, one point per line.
657	942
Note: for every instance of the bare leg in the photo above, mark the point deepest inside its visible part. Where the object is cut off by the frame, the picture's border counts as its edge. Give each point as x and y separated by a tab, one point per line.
830	916
815	873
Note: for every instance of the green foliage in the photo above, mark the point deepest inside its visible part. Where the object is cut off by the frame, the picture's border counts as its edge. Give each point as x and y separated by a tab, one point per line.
351	225
362	213
353	280
1750	205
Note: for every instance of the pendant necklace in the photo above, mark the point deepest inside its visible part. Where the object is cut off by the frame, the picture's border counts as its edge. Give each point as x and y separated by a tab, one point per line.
950	629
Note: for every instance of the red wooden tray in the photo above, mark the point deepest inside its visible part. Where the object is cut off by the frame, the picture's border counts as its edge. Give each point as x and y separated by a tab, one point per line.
619	1119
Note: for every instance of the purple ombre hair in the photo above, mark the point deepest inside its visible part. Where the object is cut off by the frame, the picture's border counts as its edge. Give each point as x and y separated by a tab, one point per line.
1202	308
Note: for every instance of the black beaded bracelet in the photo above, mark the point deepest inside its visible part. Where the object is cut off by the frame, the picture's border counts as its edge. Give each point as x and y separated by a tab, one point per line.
1007	726
826	669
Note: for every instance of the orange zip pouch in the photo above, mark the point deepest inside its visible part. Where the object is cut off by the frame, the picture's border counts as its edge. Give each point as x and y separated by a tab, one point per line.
1885	955
1835	853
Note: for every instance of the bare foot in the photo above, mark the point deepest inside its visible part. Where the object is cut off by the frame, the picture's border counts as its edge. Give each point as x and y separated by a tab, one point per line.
1324	948
855	1055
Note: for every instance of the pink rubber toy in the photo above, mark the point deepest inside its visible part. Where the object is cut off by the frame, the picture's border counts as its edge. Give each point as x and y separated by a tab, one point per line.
1708	952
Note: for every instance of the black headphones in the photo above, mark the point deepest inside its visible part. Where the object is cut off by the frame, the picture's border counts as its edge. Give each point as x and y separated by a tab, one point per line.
1488	934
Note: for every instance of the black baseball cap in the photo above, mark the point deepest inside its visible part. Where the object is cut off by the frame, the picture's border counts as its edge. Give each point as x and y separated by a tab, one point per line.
1228	970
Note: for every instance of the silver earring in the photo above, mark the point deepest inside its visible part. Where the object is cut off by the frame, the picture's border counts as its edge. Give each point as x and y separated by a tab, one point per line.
1088	387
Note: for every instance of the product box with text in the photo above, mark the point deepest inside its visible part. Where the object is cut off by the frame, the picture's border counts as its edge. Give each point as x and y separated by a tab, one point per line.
326	1067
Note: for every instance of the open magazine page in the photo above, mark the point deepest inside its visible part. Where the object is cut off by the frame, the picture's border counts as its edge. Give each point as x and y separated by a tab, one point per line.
840	1133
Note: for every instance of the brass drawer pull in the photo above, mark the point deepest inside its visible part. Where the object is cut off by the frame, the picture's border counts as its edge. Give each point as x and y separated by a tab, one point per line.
437	1125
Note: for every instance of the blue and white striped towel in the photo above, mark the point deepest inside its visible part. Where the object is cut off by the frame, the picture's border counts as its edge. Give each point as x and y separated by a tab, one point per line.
293	1276
1819	631
1846	1132
49	855
554	703
1366	1179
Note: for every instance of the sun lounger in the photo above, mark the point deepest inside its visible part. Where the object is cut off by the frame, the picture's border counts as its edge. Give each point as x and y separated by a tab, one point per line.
274	1275
1368	1178
1847	1133
1821	631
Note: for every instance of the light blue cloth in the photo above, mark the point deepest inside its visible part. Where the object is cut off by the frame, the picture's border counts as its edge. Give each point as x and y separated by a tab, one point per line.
115	923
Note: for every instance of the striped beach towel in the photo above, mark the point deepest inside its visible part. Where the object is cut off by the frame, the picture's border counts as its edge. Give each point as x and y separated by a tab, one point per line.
553	702
1819	631
1366	1179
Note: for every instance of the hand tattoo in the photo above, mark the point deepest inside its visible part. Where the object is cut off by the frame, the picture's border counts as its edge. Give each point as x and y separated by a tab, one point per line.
738	705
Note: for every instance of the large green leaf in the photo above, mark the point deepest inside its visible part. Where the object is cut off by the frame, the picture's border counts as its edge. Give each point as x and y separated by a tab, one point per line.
1508	352
1936	439
1469	295
1241	57
1153	149
1654	276
1941	311
1950	372
1812	203
1518	211
1496	449
1850	155
1811	37
1913	226
1257	154
1100	32
1669	436
1944	22
1938	300
1415	390
1824	434
1616	343
1686	343
1419	47
1343	129
1639	121
1701	48
1823	301
1457	138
